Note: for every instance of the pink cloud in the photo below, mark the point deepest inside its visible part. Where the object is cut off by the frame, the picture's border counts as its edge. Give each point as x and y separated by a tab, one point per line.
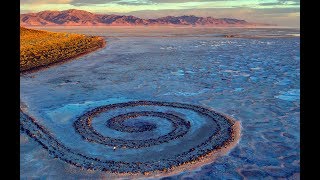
45	1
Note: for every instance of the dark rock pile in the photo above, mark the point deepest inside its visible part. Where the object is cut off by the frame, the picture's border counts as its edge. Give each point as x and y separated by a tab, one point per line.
180	127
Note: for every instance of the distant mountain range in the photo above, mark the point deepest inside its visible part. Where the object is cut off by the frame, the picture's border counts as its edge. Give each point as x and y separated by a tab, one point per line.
75	17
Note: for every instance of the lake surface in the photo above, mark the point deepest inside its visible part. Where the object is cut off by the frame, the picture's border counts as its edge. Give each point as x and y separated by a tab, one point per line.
255	79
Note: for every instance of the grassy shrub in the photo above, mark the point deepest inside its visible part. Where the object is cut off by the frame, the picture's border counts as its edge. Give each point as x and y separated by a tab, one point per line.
41	48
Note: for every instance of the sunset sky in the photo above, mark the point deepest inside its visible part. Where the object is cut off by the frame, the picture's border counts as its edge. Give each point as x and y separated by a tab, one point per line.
280	12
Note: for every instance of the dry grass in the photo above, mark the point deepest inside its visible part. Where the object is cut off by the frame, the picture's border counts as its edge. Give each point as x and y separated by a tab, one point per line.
42	48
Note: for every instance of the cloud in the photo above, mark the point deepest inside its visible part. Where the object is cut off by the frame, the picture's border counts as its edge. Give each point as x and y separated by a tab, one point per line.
269	4
282	12
288	1
97	2
45	1
279	16
149	2
134	2
281	2
184	1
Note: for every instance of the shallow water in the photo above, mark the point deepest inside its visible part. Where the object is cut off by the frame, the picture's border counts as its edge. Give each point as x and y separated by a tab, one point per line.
256	81
180	31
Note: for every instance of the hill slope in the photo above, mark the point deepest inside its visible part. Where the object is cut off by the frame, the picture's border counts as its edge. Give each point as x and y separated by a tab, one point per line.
75	17
42	48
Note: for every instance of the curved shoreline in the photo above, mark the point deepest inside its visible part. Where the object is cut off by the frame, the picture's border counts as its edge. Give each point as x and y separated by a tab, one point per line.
38	68
189	165
41	49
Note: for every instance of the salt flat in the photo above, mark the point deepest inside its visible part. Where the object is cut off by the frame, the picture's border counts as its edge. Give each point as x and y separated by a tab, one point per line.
254	80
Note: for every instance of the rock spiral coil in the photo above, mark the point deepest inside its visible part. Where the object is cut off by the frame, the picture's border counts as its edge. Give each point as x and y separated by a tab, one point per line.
218	132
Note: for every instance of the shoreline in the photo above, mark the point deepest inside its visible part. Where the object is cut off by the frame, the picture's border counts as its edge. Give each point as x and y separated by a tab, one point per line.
165	26
174	31
42	67
41	49
210	157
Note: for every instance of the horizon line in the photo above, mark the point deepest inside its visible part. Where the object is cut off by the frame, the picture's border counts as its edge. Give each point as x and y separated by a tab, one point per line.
147	18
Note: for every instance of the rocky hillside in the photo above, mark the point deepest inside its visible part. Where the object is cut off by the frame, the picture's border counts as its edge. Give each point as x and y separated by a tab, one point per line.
75	17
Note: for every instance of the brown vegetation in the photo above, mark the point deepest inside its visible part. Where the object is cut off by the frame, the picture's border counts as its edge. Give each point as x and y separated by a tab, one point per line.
42	48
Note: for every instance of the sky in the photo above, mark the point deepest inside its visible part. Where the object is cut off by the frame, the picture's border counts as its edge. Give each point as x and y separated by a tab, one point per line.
279	12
